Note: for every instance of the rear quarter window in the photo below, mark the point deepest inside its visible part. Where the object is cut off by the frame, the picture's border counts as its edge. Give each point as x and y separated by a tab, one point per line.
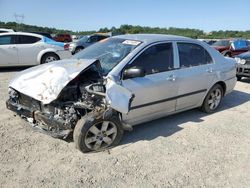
193	55
23	39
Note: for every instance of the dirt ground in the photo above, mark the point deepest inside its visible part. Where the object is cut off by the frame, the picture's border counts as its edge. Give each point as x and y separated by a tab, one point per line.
190	149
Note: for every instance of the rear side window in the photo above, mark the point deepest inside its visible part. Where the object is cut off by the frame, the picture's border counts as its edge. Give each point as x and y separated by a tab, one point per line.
6	40
23	39
157	58
193	55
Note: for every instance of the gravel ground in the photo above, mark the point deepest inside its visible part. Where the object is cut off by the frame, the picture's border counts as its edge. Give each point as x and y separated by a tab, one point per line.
190	149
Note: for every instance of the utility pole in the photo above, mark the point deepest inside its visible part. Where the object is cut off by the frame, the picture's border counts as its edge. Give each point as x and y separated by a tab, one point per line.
19	20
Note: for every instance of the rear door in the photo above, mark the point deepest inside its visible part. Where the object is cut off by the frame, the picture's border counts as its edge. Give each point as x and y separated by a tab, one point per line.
155	93
195	76
28	49
8	51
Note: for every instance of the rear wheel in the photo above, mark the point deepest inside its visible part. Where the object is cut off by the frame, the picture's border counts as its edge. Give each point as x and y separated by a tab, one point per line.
49	57
93	134
213	99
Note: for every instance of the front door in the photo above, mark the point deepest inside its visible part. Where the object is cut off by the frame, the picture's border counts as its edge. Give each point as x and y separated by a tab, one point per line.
8	51
155	93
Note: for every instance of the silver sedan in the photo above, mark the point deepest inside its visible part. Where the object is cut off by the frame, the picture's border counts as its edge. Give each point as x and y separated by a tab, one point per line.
118	83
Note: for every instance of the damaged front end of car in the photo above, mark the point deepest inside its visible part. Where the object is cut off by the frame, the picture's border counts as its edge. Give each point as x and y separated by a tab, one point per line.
55	97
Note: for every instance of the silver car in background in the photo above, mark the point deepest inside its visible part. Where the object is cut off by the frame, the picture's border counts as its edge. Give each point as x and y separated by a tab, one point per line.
85	41
120	82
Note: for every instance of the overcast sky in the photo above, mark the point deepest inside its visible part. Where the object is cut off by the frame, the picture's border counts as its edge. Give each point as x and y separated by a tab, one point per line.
81	15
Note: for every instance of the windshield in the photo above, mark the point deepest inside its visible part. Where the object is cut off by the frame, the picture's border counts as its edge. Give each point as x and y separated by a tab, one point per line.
84	38
108	51
221	43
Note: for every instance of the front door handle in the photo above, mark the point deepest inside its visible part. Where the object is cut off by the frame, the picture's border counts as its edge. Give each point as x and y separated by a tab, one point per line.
171	78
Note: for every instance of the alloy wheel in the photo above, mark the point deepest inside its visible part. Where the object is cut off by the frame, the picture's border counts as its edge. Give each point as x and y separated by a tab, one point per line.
50	59
100	135
214	99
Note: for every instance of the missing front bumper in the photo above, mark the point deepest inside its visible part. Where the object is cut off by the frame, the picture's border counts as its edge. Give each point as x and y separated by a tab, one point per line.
42	122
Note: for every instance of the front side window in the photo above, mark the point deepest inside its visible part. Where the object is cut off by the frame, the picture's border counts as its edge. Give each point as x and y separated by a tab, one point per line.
109	52
192	55
23	39
157	58
93	39
6	40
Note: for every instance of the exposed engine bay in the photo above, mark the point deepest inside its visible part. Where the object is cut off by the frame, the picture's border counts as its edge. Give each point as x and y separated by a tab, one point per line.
84	94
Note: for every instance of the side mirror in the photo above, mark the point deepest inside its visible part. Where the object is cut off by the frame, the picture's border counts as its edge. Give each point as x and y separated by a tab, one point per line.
133	73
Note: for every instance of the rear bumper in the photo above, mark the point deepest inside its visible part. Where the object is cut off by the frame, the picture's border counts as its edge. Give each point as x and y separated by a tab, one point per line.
42	121
64	54
230	84
72	49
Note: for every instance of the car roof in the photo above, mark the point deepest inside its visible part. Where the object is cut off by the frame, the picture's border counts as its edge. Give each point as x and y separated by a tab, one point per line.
22	33
150	38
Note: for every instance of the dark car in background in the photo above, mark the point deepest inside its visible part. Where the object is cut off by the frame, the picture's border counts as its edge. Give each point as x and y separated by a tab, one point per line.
48	35
63	38
243	65
221	45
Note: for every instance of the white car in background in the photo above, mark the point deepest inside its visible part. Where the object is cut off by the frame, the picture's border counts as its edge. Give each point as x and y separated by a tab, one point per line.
25	49
3	30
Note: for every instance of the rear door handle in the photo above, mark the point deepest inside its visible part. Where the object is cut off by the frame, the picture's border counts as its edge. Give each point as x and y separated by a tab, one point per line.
171	78
210	70
12	47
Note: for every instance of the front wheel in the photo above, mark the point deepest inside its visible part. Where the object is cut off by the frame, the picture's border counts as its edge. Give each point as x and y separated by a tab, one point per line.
93	134
213	99
238	78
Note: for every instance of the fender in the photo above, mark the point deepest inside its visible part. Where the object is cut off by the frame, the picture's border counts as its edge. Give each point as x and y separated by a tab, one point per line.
42	52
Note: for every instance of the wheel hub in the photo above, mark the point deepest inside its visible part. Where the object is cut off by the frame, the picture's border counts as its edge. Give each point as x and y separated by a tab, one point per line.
101	135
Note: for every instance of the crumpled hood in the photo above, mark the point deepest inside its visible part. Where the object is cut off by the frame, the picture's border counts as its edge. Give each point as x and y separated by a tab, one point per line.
45	82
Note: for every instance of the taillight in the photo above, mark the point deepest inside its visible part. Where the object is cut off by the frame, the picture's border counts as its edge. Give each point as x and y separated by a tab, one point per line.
66	46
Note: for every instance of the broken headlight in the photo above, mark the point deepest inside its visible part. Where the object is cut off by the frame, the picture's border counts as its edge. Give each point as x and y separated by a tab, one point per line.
240	61
13	94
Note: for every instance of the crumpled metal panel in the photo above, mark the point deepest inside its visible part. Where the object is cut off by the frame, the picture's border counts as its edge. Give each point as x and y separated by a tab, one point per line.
118	97
45	82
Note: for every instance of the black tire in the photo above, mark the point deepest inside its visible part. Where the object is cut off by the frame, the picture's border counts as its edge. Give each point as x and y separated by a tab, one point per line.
207	105
238	78
82	131
78	49
49	57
